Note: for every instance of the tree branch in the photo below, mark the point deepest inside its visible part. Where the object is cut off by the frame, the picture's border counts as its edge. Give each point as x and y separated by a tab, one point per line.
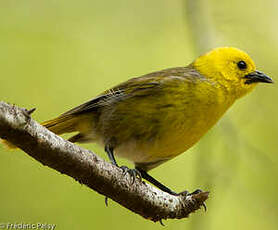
20	129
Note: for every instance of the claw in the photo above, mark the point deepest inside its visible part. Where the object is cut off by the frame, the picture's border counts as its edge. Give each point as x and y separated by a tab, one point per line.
106	201
125	169
204	205
197	191
134	173
160	221
138	174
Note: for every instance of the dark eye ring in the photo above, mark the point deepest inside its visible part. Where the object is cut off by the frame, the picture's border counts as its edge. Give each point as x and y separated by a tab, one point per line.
241	65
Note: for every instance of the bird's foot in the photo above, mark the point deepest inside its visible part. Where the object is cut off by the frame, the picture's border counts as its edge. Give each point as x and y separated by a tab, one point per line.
186	193
134	173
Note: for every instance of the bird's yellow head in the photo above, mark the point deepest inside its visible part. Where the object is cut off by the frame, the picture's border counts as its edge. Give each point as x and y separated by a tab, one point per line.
232	69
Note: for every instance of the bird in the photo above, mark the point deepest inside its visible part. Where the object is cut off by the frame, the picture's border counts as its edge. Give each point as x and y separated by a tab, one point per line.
153	118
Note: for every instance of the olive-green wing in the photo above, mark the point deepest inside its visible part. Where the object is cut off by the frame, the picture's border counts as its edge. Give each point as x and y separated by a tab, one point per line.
139	86
148	87
109	97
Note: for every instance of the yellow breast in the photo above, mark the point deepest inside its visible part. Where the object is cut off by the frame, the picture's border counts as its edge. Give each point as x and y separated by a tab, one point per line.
181	125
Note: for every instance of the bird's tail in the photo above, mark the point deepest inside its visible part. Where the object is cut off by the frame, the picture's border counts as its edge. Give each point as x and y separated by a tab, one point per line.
61	124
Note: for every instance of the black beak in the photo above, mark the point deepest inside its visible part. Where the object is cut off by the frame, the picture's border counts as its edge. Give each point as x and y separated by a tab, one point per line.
256	77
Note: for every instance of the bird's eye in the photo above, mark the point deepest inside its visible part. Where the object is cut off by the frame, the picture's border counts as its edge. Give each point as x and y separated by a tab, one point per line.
241	65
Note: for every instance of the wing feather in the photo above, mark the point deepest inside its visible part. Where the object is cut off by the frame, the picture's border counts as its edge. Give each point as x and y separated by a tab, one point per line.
133	87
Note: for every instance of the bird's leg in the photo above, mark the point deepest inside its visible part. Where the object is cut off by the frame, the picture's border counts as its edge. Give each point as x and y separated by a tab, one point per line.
155	182
110	153
134	173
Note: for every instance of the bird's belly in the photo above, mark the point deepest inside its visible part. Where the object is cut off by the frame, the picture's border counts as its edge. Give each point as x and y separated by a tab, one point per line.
174	140
145	152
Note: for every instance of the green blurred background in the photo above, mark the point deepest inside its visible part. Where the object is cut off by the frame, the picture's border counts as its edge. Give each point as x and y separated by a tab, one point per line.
55	55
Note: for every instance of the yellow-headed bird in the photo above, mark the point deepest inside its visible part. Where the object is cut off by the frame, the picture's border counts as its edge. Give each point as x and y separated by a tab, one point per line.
155	117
